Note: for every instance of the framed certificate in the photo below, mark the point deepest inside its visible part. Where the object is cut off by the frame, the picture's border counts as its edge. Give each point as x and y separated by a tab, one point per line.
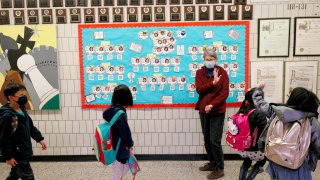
300	74
306	36
273	37
270	73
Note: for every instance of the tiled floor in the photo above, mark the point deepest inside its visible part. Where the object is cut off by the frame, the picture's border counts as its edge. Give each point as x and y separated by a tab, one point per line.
150	170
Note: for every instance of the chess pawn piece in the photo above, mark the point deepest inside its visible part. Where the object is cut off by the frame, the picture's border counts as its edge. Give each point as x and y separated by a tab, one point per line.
46	93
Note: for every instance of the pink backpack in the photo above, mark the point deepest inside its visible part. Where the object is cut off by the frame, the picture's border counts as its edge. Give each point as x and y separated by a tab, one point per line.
238	136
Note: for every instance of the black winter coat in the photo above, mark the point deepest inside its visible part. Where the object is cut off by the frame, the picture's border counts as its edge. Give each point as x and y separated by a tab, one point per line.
17	131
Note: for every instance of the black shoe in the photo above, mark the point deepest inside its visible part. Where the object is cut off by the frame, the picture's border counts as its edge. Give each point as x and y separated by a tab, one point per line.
243	173
253	173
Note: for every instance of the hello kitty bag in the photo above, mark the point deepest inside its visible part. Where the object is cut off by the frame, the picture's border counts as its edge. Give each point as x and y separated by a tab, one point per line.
238	135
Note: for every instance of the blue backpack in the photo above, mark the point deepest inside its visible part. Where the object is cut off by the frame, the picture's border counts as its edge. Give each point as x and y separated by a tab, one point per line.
102	141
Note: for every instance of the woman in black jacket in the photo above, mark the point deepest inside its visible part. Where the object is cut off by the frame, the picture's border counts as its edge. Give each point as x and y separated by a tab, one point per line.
256	120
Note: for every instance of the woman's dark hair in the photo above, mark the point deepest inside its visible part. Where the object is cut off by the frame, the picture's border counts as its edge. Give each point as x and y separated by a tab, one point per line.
122	96
12	89
303	100
247	103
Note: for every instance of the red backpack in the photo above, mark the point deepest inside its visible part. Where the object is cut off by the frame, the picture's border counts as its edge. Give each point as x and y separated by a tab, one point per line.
238	136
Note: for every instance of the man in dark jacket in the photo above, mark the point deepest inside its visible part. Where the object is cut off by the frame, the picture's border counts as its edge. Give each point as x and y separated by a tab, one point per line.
212	85
16	127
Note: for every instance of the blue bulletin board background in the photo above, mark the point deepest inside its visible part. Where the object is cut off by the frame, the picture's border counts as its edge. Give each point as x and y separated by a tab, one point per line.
139	41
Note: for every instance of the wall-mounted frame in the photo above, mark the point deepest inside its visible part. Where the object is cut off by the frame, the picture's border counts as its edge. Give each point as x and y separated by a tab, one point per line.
189	13
204	13
175	13
159	13
46	16
161	2
122	3
117	14
83	3
270	73
132	14
213	1
70	3
75	15
33	17
201	1
44	3
233	12
146	14
240	2
4	17
103	15
18	17
57	3
187	1
18	3
109	2
6	3
226	1
89	15
218	12
95	2
147	2
174	2
273	37
306	36
61	16
32	4
300	74
247	12
134	2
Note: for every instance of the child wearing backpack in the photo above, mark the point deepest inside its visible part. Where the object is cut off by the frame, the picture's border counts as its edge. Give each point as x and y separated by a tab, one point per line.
257	122
121	98
300	110
16	131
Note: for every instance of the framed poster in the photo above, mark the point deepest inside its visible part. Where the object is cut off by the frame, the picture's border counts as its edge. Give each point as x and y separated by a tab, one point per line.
273	37
306	36
300	74
270	73
158	62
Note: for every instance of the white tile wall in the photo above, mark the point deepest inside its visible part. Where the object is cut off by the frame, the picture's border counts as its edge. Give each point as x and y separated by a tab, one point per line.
155	131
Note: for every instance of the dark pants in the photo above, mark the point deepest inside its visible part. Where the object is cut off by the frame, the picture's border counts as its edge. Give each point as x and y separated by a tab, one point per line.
212	129
22	170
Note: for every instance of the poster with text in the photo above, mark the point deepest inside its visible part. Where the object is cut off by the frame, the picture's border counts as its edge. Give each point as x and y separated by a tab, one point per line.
158	62
300	74
271	74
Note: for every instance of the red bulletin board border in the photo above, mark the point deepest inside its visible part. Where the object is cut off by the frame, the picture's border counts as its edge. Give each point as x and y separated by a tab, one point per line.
126	25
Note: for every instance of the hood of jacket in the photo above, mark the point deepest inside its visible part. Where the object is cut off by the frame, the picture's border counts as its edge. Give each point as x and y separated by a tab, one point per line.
111	111
288	114
6	109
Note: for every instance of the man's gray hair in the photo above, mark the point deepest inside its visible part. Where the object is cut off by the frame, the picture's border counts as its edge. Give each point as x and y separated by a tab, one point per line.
209	52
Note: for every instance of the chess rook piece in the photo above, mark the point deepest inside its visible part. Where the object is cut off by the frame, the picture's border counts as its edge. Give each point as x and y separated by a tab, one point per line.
44	90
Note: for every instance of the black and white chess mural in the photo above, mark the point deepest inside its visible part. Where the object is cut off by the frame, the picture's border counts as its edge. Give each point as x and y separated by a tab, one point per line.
28	55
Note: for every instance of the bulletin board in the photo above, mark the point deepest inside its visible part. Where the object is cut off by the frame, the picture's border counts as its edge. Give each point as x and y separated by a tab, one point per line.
158	61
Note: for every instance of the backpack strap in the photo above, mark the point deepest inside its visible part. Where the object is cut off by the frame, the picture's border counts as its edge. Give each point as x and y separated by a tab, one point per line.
115	117
255	136
251	111
113	120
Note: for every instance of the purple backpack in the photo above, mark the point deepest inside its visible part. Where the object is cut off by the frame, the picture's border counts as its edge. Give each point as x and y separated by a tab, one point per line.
238	136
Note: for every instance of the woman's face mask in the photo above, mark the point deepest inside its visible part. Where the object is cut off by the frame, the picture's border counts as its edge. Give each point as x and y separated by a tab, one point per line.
209	64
